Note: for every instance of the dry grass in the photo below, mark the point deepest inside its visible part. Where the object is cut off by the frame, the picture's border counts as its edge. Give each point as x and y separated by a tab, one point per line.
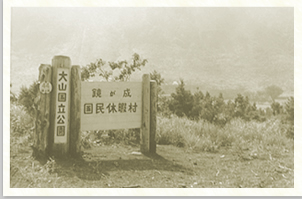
242	154
238	134
115	167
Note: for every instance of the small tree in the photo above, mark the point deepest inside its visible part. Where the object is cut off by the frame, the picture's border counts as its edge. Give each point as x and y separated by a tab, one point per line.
27	97
159	80
276	107
163	101
219	104
241	104
157	77
197	105
13	97
125	69
252	113
290	109
219	110
229	110
182	101
207	112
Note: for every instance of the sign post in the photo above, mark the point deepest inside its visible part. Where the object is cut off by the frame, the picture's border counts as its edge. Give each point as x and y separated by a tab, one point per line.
145	124
65	106
59	135
75	111
153	113
42	105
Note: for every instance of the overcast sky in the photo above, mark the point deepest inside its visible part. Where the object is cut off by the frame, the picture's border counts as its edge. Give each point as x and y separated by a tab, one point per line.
167	37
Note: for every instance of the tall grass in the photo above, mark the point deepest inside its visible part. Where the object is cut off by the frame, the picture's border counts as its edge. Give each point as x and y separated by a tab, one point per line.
239	134
21	123
201	135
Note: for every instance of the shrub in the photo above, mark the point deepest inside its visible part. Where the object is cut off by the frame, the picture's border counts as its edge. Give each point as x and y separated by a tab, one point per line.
20	122
238	134
276	108
289	109
21	128
182	103
13	97
186	133
212	109
125	69
27	97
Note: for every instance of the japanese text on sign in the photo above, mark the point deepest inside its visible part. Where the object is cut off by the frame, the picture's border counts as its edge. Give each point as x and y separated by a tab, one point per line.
61	106
110	108
111	105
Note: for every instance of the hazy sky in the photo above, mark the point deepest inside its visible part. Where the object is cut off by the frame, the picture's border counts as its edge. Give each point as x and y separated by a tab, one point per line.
170	38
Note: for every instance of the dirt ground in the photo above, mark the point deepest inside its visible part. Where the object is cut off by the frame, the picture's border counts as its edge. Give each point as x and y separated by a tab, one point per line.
120	166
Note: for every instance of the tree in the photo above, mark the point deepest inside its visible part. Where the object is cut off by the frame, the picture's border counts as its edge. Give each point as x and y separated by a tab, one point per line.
290	109
157	77
229	110
197	105
27	97
241	104
159	80
219	110
273	91
252	113
13	97
219	103
125	69
207	112
276	107
182	101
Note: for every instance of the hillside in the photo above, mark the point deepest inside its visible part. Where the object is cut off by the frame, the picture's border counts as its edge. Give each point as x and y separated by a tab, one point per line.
214	48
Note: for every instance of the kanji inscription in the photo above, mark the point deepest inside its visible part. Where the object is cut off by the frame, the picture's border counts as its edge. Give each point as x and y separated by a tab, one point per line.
62	106
111	105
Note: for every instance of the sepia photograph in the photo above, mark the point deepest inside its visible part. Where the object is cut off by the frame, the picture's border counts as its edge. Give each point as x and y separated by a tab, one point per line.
151	97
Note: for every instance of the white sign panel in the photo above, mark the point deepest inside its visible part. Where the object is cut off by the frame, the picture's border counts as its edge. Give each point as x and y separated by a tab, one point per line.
62	106
111	105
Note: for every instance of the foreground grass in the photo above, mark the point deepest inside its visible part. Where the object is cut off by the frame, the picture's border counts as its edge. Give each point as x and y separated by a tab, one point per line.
189	154
115	166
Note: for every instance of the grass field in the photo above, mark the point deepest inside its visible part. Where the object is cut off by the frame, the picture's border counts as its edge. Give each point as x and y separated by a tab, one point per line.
198	155
115	166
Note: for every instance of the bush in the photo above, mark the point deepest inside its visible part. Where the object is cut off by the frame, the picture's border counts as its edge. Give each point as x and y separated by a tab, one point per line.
21	128
276	108
186	133
182	102
290	109
27	97
124	67
108	137
20	122
13	97
238	134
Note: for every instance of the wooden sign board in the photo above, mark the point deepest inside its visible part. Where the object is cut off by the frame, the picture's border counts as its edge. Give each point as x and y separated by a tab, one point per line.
111	105
68	106
62	108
